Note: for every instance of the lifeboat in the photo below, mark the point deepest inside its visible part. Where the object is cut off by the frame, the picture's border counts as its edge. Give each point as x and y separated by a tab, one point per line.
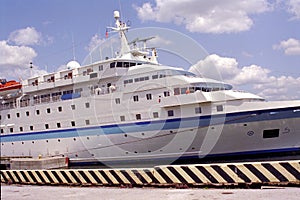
9	87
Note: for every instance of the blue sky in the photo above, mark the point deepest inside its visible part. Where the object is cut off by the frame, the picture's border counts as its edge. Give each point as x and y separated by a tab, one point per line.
255	45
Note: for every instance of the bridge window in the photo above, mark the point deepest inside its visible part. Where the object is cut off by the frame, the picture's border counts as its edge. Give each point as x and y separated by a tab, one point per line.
119	64
112	65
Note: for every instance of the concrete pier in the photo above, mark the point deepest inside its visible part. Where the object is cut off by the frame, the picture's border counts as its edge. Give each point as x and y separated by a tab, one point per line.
38	163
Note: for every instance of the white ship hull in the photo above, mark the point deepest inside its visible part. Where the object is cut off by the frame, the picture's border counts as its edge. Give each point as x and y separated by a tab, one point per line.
167	140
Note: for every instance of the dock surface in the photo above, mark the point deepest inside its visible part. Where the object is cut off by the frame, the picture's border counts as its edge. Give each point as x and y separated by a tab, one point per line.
28	192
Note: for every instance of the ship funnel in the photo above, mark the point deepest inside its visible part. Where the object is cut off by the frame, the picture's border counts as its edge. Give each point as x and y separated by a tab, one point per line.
116	14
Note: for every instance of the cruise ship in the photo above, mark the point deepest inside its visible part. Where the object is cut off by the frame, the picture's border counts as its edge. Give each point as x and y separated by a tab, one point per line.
131	110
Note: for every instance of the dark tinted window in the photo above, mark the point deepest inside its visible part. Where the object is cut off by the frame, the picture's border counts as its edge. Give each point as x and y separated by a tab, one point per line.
271	133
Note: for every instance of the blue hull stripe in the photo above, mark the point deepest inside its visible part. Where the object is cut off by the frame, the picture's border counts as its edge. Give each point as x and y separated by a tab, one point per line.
169	124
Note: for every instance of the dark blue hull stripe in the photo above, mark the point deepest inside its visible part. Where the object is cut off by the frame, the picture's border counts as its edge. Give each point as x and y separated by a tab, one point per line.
168	124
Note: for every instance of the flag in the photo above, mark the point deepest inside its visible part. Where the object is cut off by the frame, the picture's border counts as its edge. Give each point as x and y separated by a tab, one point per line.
106	34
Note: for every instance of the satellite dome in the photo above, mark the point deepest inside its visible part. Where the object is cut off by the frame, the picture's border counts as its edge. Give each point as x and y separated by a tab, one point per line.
73	64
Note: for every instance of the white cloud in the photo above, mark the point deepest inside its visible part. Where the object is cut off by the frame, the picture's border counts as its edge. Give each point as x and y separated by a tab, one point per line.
258	78
294	8
159	41
15	55
290	46
205	16
15	61
26	36
94	42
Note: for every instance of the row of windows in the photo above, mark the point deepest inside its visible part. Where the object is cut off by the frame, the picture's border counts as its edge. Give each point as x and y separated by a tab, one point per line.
123	64
139	116
48	110
47	126
170	113
149	96
144	78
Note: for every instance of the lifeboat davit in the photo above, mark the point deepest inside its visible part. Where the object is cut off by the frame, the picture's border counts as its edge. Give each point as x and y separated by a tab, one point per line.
9	87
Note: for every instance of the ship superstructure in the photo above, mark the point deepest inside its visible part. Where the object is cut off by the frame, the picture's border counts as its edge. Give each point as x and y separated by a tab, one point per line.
131	109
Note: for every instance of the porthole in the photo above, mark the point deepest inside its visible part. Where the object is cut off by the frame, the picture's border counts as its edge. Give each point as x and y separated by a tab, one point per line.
125	135
58	140
87	138
22	142
32	142
74	139
170	113
47	141
219	108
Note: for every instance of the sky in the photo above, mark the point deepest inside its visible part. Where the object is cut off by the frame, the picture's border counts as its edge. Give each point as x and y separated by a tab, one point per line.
253	44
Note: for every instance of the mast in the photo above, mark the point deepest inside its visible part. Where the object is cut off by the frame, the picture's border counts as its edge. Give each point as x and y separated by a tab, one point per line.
121	27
